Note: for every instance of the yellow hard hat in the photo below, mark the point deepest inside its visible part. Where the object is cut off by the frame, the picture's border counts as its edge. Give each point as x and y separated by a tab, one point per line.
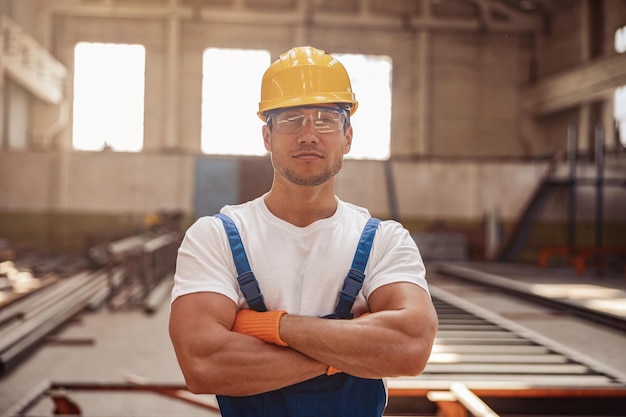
305	76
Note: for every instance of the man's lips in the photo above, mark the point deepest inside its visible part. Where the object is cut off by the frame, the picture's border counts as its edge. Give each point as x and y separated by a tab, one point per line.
307	155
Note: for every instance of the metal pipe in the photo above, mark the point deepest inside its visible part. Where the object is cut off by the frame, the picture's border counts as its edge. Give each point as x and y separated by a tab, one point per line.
40	303
599	158
18	340
572	150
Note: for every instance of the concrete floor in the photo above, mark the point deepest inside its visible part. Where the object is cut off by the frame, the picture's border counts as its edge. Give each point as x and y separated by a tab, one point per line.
124	343
133	342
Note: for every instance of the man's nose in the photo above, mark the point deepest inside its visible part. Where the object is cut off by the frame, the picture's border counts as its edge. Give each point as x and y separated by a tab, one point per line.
305	122
308	131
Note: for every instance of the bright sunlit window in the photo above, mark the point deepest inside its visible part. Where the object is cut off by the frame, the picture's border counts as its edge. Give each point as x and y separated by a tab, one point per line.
108	96
370	77
231	87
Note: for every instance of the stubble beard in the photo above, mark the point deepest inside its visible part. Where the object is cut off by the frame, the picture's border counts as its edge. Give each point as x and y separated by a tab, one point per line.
310	180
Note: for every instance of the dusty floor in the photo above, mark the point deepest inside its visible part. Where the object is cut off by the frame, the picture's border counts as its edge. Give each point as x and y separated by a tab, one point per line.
106	346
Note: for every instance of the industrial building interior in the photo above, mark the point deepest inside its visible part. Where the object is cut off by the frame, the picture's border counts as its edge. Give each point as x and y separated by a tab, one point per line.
493	130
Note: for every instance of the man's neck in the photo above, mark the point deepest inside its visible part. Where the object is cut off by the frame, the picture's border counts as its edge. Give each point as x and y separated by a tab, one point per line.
302	205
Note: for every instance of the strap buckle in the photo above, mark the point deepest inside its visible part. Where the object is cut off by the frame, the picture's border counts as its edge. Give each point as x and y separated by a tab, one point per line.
352	284
250	288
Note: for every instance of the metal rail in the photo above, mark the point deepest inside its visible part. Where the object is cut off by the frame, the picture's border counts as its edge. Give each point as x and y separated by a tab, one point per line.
521	289
507	366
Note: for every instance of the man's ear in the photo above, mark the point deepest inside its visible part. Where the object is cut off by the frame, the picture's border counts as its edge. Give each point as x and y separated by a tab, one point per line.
267	138
348	140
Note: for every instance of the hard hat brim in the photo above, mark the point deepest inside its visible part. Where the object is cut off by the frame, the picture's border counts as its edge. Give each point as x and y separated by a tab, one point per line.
326	98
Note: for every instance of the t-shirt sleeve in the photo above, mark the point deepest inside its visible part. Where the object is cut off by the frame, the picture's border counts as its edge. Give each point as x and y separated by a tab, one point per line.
204	262
394	258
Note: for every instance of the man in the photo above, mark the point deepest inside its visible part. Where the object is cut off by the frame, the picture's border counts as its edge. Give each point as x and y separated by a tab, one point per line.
300	239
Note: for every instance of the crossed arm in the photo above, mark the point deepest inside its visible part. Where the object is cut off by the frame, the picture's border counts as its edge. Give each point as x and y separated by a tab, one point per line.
395	339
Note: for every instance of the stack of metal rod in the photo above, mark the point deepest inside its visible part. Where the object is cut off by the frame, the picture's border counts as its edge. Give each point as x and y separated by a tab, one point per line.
137	267
35	301
28	319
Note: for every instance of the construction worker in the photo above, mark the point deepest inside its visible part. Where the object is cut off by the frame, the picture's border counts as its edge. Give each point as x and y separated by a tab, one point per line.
297	303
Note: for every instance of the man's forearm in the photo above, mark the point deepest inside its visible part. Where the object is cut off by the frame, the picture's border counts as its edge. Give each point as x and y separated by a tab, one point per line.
370	347
249	366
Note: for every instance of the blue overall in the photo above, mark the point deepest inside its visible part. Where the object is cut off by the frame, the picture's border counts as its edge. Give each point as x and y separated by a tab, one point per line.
339	395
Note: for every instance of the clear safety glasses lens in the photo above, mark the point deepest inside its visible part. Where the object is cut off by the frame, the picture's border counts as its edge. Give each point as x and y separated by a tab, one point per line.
323	119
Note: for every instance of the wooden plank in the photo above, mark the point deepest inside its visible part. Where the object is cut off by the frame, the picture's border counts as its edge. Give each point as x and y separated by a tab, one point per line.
466	327
504	380
512	340
586	83
471	334
477	348
510	369
495	358
471	401
510	390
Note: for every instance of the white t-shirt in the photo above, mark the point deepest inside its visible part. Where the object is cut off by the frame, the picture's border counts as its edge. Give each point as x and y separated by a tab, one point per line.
299	269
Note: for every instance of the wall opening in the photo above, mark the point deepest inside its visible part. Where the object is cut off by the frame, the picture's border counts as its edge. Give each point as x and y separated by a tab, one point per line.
231	85
109	84
370	76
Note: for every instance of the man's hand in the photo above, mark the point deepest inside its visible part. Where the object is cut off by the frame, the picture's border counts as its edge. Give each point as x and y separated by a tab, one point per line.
332	371
264	326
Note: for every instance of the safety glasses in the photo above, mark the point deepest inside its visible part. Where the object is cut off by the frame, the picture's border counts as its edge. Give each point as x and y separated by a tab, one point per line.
293	119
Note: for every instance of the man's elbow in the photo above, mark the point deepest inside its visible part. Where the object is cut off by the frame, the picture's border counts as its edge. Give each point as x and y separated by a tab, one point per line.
201	380
195	387
417	365
211	382
198	385
419	353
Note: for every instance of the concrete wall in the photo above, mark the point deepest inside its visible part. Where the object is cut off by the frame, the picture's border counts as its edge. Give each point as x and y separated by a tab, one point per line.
461	145
63	200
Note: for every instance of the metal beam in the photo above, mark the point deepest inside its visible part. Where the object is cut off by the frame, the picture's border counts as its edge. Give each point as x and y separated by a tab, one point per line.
30	64
365	18
586	83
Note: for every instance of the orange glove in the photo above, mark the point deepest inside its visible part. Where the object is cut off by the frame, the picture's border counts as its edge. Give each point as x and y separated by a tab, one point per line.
264	326
332	371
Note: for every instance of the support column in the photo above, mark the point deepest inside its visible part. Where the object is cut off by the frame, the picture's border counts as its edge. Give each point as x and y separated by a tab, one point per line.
3	144
172	106
585	124
585	128
421	144
301	32
572	149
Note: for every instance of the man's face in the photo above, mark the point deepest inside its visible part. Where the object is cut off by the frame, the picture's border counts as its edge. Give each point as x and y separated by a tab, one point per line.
308	143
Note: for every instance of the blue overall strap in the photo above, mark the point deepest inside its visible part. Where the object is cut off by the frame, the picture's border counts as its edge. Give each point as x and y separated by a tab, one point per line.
245	277
354	280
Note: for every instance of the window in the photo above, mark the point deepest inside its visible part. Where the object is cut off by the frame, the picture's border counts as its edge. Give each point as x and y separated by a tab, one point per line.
371	81
231	85
108	96
620	94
